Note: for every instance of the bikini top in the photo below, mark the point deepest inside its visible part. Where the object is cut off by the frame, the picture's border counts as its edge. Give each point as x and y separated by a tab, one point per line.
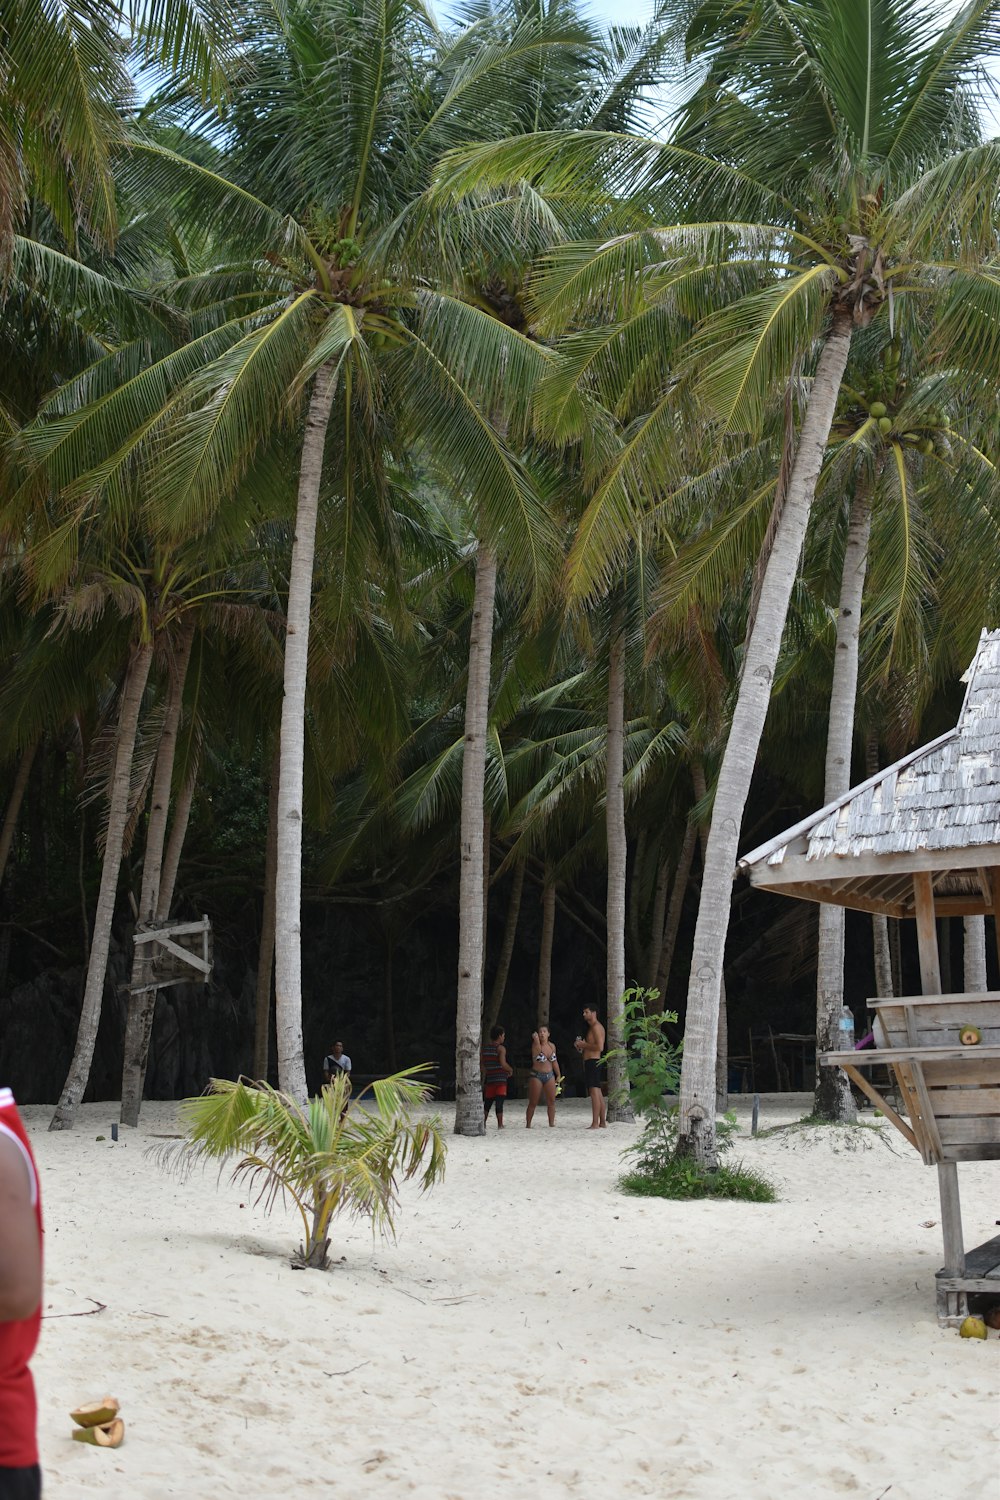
543	1057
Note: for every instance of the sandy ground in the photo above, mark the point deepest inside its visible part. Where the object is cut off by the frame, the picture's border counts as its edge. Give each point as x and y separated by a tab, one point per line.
532	1332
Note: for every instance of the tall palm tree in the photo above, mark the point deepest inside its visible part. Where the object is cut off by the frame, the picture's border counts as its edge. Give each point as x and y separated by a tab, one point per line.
317	316
830	160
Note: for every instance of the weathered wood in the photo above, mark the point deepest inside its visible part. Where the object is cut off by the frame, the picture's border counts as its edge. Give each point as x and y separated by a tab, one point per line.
995	890
951	1219
176	929
959	1130
984	1260
797	869
982	1151
927	944
967	1283
184	954
963	1101
958	998
965	1071
925	1030
871	1056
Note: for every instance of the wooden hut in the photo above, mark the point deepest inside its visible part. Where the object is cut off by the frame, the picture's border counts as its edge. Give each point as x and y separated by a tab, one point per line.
918	840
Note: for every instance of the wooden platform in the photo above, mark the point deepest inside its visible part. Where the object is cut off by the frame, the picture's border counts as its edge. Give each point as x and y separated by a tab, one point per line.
950	1112
981	1274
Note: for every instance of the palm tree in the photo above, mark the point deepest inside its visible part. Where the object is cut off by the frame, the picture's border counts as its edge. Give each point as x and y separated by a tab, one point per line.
832	166
337	120
66	89
326	1157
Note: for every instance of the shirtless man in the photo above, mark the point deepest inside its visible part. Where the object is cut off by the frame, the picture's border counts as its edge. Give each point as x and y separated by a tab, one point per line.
591	1048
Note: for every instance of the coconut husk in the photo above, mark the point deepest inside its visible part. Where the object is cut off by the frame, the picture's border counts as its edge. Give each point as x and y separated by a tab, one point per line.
96	1413
108	1435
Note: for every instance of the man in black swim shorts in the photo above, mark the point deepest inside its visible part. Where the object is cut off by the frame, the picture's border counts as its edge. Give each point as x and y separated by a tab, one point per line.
591	1048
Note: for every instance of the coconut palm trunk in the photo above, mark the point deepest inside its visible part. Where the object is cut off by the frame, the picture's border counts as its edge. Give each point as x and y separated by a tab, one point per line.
506	948
672	925
175	840
545	948
118	809
13	811
288	890
833	1098
697	1091
142	1001
468	1020
722	1029
619	1102
265	954
657	921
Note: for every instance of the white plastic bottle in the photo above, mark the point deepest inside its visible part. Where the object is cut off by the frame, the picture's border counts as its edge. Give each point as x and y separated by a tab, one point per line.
845	1028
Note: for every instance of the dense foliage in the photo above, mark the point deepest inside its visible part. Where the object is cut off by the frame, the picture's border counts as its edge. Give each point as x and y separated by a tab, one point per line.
400	414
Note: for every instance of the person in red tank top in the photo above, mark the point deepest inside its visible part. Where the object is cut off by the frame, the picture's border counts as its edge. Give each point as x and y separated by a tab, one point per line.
20	1306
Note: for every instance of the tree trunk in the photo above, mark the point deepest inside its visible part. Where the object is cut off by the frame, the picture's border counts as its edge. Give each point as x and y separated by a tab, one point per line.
722	1054
671	927
974	955
468	1021
506	950
545	949
619	1102
697	1098
265	955
175	841
118	808
142	1005
657	919
388	1008
14	804
880	922
833	1099
722	1029
288	886
634	962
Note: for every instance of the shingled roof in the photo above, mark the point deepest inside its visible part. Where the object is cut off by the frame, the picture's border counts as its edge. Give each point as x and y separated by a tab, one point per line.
937	809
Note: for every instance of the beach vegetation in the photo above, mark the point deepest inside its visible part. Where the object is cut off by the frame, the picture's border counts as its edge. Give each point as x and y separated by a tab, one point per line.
328	1157
681	1177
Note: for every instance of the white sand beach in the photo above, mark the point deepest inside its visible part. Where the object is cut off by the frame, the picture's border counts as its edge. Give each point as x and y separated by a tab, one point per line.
531	1332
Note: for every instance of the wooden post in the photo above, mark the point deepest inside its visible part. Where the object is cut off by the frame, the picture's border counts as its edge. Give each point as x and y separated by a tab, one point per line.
951	1305
995	884
923	904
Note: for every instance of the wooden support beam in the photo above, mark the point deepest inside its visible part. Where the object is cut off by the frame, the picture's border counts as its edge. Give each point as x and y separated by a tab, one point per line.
951	1219
995	885
923	902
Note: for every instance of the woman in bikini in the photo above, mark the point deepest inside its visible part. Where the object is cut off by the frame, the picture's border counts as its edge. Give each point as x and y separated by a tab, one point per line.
544	1075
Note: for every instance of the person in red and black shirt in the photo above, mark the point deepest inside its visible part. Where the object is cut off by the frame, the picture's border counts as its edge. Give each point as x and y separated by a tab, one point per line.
20	1306
495	1070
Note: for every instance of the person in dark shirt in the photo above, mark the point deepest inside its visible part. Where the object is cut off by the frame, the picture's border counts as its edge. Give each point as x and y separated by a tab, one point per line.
495	1070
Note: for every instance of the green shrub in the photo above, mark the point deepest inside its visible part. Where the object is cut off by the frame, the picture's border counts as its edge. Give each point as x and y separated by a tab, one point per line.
680	1178
653	1063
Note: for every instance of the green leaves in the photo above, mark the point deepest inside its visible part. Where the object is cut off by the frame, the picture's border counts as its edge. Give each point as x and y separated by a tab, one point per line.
327	1158
747	351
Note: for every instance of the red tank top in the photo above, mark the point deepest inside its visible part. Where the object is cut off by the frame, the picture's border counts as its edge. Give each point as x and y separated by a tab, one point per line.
18	1413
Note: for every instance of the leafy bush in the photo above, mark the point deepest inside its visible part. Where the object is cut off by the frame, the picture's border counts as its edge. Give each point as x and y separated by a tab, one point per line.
682	1178
653	1064
326	1158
